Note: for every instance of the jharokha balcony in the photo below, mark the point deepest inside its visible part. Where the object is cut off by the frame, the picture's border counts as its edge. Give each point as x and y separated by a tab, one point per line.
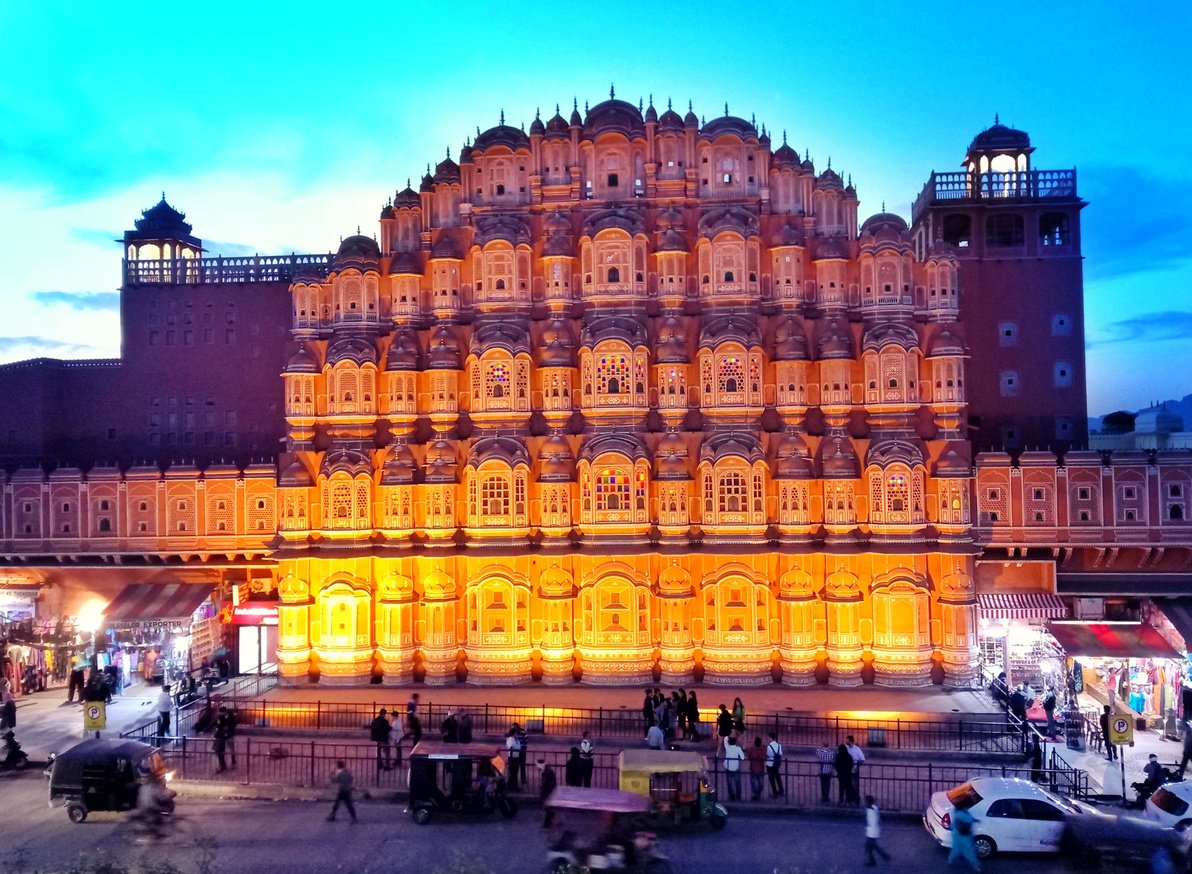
1017	185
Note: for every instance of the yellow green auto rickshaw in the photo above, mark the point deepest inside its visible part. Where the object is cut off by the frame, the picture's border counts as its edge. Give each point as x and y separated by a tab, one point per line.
676	784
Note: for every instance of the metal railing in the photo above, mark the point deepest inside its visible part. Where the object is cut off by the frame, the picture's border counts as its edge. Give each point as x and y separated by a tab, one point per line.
1016	184
797	729
900	787
184	718
191	271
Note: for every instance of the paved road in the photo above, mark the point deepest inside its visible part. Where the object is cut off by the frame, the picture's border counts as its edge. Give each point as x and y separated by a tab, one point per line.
293	836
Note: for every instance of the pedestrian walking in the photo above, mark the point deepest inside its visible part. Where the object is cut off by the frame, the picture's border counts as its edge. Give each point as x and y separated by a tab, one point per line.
379	731
774	766
587	762
873	831
465	727
724	728
963	845
513	753
738	717
681	714
844	773
8	710
523	738
756	756
1103	720
413	722
1049	704
78	673
826	765
858	756
227	722
165	706
547	781
693	730
1186	756
733	757
573	771
341	781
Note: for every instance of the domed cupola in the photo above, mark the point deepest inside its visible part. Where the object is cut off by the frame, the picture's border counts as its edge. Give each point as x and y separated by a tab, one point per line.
832	248
355	349
690	119
785	157
557	465
403	352
672	342
886	223
442	465
446	171
789	235
502	135
999	137
945	344
999	149
556	128
558	236
558	346
829	179
613	115
400	466
445	247
444	352
357	251
838	459
407	197
835	341
345	459
792	458
790	343
728	124
428	181
158	225
302	361
671	459
295	476
407	263
537	128
576	119
670	120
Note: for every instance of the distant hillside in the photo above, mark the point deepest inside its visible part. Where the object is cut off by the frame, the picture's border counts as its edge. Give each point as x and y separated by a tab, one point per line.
1182	408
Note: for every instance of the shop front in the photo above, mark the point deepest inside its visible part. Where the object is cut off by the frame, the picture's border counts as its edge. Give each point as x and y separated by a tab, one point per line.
1128	665
254	640
1012	636
158	632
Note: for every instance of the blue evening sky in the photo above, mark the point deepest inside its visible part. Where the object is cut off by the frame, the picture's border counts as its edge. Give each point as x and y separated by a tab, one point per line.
280	128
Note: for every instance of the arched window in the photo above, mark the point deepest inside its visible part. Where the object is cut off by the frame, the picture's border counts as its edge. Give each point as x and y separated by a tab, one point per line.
612	374
897	493
494	495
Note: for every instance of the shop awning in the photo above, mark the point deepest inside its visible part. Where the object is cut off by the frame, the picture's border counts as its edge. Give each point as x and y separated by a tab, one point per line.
156	602
1179	613
1021	605
1116	641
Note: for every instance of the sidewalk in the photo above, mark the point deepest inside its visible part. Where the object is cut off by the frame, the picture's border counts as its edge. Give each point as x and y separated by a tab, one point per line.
1105	777
46	723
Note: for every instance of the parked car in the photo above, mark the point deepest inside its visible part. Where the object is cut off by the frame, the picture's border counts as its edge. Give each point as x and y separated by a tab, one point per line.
1171	805
1092	843
1013	816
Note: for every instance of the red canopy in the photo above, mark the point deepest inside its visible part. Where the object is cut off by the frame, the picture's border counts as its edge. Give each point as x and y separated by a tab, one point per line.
1114	641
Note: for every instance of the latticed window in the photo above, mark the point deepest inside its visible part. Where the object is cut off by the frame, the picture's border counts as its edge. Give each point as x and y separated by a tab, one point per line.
952	503
838	504
494	496
993	502
220	516
340	505
897	493
498	384
730	376
673	505
182	516
734	497
672	388
612	490
612	375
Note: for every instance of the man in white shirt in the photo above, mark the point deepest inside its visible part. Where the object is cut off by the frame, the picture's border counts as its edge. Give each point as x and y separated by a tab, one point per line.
858	757
873	831
733	757
165	705
655	739
774	766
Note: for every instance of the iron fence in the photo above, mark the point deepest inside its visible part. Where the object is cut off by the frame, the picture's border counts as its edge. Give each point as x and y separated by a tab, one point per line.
896	787
796	729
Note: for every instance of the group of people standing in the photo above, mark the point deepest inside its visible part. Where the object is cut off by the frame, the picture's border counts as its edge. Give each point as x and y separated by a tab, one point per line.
669	717
844	763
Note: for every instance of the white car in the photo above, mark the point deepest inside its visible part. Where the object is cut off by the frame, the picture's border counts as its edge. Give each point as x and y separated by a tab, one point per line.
1012	815
1171	805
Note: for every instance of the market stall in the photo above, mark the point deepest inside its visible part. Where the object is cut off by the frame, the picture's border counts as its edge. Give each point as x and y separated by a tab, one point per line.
1012	635
151	629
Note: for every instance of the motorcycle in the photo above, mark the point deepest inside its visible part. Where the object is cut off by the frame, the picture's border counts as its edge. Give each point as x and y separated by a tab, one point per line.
15	758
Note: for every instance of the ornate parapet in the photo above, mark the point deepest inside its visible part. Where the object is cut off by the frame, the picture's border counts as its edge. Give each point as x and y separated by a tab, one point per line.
346	666
558	665
902	667
844	666
677	662
730	664
504	666
628	666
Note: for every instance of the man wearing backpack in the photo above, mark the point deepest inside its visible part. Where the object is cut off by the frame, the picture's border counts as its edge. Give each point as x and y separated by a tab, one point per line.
963	846
774	766
513	748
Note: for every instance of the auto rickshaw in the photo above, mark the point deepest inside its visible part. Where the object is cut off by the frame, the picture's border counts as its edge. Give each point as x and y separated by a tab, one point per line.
676	784
104	775
464	779
599	830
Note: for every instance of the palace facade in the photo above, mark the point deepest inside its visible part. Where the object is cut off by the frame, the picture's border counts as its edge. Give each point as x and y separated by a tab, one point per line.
627	396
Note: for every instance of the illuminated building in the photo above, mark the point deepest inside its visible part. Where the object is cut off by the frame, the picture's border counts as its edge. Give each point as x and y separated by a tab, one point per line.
627	394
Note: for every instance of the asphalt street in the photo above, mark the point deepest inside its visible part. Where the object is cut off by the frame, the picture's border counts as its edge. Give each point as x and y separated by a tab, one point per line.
294	837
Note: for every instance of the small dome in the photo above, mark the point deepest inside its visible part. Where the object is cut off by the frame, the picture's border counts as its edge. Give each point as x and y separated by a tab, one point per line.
672	343
445	247
727	124
444	352
789	235
954	463
302	361
502	135
945	343
557	126
835	342
651	114
671	459
790	343
690	119
807	165
672	240
838	459
831	248
884	220
785	156
558	246
405	263
160	222
537	128
670	120
403	352
295	476
792	459
446	171
407	197
357	251
556	462
890	333
613	114
355	349
576	118
1000	138
558	346
400	466
829	179
441	461
428	183
351	460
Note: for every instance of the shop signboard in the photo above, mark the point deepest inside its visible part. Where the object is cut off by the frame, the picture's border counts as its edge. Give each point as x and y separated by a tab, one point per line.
254	613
